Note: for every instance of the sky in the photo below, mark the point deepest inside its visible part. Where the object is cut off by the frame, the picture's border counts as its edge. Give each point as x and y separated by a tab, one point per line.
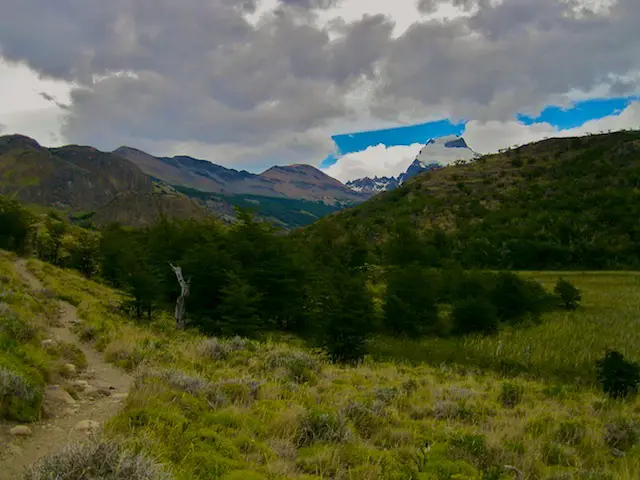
351	86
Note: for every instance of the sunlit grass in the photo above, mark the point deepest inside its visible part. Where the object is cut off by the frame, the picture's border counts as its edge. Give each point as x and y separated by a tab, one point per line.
237	409
565	345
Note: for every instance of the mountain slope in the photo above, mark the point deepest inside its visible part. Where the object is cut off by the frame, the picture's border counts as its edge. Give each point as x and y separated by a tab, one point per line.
435	154
79	179
309	183
559	202
296	181
73	177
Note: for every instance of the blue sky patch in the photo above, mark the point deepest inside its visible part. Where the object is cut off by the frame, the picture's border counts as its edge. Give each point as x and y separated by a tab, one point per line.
579	113
559	117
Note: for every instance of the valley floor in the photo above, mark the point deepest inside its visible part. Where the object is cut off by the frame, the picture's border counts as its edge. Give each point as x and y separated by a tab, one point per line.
244	410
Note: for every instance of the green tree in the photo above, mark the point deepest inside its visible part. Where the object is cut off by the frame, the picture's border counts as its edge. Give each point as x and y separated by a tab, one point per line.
410	307
16	225
474	315
619	378
51	238
238	313
568	294
346	316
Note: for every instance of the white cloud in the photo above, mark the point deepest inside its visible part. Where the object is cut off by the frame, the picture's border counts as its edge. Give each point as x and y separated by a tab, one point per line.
483	137
379	160
489	137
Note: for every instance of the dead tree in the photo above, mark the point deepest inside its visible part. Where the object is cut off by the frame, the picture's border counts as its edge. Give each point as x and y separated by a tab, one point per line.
184	293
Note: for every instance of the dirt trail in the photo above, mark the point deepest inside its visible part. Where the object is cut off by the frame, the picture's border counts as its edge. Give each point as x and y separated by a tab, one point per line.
101	400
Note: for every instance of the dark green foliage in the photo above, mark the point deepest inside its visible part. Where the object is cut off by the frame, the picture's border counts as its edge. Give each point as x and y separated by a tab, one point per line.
238	310
49	240
16	225
346	315
566	206
619	378
511	394
514	298
474	315
410	305
568	294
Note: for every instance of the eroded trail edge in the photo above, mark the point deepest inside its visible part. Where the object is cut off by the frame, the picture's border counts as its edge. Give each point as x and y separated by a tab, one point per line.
101	389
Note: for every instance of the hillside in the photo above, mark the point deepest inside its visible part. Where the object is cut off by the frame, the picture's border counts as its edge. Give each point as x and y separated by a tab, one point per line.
84	181
299	182
561	202
260	410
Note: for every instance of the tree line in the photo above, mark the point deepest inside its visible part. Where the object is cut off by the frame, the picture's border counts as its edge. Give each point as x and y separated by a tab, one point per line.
249	278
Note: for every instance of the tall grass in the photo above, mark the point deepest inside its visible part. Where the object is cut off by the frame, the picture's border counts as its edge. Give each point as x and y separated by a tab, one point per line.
236	409
565	346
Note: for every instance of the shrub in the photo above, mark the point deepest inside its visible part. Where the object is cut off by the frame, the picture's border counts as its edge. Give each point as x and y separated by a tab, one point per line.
619	378
474	315
410	302
97	459
177	380
514	297
214	349
14	327
571	433
19	399
568	294
300	366
321	426
622	434
510	394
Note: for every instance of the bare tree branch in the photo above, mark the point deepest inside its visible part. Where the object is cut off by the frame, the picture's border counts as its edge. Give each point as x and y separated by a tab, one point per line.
519	474
184	293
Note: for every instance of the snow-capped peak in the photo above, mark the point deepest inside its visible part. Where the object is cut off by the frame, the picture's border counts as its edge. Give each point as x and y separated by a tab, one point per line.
436	153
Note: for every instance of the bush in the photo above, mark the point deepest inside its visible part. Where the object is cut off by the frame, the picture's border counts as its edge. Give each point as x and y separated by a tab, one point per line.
474	315
300	367
622	434
19	399
618	377
99	460
514	297
568	294
322	426
510	394
410	302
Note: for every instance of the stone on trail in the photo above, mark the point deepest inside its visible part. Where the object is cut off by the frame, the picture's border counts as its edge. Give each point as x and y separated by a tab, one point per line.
21	431
87	426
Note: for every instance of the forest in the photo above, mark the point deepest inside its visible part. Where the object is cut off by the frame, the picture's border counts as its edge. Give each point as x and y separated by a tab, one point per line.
248	279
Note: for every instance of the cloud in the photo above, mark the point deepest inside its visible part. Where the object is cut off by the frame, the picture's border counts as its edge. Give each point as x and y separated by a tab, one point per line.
379	160
489	137
208	76
197	71
483	137
507	57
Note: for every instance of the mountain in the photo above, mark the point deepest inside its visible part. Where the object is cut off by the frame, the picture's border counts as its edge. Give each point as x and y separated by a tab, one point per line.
309	183
555	203
373	185
82	181
295	182
435	153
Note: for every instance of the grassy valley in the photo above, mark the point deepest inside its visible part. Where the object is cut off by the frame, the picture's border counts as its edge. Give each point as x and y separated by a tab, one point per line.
213	408
466	326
